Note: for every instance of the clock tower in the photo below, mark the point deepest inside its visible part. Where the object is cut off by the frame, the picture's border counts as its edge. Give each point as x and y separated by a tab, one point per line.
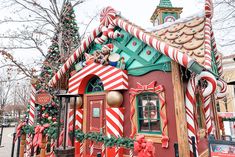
165	12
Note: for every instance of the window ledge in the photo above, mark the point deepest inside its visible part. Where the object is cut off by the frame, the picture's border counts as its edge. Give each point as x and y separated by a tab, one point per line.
153	137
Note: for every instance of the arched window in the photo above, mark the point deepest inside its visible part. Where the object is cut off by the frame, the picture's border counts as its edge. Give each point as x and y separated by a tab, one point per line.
94	85
148	113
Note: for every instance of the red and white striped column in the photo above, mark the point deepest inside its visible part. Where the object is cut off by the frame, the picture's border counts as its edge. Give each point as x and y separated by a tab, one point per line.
114	127
79	146
31	119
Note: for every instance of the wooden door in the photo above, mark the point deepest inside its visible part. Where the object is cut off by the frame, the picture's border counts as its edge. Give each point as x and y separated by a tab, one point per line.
95	118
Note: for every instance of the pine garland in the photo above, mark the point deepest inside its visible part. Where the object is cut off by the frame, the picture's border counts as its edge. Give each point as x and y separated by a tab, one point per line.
108	141
232	119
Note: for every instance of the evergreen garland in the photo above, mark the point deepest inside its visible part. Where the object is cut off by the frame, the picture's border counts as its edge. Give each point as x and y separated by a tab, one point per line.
108	141
232	119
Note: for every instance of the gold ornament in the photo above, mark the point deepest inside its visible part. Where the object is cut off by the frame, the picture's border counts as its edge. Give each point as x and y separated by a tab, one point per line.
114	99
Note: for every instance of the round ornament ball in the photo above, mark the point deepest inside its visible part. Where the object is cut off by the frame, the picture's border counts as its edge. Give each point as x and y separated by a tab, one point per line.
46	115
114	99
54	119
49	118
43	108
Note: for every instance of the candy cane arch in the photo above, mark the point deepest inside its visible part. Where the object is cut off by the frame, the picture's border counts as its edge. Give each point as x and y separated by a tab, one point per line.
207	92
190	104
84	45
31	119
221	89
159	90
114	124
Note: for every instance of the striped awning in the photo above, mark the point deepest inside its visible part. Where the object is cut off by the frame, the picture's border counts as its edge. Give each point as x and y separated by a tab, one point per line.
111	77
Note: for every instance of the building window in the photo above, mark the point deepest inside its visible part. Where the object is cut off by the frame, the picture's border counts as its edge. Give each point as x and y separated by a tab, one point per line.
94	85
148	113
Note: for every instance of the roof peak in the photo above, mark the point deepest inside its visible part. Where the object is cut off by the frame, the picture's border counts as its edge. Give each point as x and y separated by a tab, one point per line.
165	3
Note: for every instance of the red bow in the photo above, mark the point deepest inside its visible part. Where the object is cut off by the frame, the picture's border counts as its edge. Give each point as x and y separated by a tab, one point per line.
144	148
146	87
18	129
37	140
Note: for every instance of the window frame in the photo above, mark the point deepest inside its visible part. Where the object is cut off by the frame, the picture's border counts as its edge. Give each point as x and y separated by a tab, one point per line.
89	82
138	116
152	87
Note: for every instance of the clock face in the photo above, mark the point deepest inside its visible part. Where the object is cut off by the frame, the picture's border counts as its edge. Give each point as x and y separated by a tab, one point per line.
169	19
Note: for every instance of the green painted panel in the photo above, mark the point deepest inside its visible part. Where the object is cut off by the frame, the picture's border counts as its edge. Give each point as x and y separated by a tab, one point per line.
135	64
134	44
144	54
166	67
136	53
213	63
125	55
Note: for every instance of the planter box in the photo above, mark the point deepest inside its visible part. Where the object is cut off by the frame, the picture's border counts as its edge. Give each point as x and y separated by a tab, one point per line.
68	152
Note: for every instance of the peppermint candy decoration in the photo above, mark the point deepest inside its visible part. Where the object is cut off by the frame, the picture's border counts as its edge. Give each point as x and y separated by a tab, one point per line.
209	9
107	16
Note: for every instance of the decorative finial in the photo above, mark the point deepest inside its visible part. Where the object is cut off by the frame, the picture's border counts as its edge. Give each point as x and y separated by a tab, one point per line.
107	16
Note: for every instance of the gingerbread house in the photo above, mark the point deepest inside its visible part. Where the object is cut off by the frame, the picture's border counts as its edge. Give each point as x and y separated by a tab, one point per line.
162	83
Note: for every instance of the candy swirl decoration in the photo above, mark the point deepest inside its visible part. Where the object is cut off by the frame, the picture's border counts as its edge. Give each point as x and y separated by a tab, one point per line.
107	16
209	9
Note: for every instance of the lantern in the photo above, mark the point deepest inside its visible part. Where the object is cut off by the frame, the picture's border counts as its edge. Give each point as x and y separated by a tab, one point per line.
63	129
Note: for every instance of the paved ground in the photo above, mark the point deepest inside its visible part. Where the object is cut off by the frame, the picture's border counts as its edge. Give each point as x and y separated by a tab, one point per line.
5	151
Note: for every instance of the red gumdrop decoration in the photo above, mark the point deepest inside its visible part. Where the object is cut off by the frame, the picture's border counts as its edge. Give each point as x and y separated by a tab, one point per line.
54	119
43	108
148	52
134	43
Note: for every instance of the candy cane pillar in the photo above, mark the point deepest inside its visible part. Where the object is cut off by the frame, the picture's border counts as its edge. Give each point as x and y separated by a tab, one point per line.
31	119
79	148
114	127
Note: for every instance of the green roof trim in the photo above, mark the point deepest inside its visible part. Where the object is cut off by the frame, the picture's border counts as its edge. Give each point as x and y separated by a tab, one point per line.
165	3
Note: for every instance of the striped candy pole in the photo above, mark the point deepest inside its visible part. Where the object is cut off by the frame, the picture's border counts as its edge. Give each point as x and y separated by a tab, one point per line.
131	153
84	45
31	119
32	105
103	150
78	125
173	53
91	148
207	42
114	124
190	102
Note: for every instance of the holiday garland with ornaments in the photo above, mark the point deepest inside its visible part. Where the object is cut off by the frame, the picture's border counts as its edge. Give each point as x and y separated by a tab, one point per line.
64	41
108	141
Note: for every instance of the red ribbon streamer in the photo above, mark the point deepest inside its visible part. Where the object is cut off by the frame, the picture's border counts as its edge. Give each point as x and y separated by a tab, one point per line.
18	129
37	140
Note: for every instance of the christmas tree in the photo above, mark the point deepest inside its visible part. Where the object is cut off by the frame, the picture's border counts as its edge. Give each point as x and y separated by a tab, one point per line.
65	40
